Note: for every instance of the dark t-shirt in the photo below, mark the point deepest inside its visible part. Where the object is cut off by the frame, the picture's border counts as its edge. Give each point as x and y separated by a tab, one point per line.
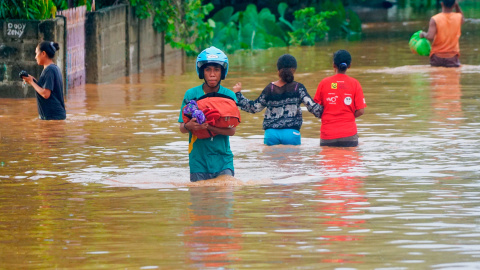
52	108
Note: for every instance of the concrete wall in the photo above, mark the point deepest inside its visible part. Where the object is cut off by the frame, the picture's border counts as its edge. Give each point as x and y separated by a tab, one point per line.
106	44
18	41
132	53
119	44
145	48
150	44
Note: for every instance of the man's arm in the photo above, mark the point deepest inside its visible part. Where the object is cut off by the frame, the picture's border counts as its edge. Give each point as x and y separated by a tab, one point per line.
192	125
459	10
222	131
183	129
432	31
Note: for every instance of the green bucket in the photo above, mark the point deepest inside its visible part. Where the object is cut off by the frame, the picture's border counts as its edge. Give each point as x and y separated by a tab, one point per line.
420	46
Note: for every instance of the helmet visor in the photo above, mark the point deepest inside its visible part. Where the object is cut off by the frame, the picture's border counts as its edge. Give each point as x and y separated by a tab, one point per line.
201	64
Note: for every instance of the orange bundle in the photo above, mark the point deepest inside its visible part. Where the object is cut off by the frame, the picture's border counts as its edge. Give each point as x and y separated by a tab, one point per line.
220	111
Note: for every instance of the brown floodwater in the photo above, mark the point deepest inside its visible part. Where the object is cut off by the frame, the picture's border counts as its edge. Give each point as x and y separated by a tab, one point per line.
109	187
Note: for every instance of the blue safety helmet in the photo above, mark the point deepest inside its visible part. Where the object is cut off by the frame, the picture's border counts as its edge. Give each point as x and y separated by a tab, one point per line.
212	55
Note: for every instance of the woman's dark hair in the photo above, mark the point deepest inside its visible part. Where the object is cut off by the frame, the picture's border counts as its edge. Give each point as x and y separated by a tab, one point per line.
286	64
49	47
342	59
448	3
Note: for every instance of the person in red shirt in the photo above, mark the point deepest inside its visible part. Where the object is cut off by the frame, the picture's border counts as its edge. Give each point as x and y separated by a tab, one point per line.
343	101
444	31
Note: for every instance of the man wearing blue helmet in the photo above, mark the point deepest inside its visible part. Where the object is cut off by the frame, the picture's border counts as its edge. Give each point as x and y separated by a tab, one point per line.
211	157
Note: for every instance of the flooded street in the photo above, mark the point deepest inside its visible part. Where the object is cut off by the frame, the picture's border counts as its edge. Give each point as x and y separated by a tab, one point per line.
109	187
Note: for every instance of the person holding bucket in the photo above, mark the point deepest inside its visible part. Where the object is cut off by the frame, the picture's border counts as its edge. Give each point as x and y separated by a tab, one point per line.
444	32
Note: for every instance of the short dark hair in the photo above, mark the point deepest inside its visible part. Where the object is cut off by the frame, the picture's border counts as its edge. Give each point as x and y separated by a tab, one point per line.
286	61
448	3
342	59
49	47
286	64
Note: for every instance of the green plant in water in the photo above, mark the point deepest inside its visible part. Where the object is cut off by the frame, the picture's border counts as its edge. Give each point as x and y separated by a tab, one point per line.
309	26
259	30
251	29
344	21
247	29
225	30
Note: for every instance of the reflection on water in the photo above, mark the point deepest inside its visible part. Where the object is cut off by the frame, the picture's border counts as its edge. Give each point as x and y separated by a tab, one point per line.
339	197
446	95
108	187
211	240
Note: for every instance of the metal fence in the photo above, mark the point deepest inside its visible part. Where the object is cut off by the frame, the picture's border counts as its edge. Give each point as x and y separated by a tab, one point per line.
75	45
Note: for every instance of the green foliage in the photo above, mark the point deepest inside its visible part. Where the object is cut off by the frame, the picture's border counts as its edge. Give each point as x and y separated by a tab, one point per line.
142	8
247	29
99	4
181	21
422	4
27	9
6	11
46	10
471	9
191	34
35	9
309	26
87	3
345	21
251	29
282	7
61	4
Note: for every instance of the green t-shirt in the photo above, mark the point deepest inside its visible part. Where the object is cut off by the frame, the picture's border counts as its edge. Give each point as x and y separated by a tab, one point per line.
211	155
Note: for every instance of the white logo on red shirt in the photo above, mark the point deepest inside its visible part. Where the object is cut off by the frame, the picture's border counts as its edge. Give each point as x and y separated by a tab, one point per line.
348	101
332	99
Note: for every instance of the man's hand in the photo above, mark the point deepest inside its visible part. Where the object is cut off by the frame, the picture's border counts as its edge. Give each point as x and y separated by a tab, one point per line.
457	9
192	125
222	131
